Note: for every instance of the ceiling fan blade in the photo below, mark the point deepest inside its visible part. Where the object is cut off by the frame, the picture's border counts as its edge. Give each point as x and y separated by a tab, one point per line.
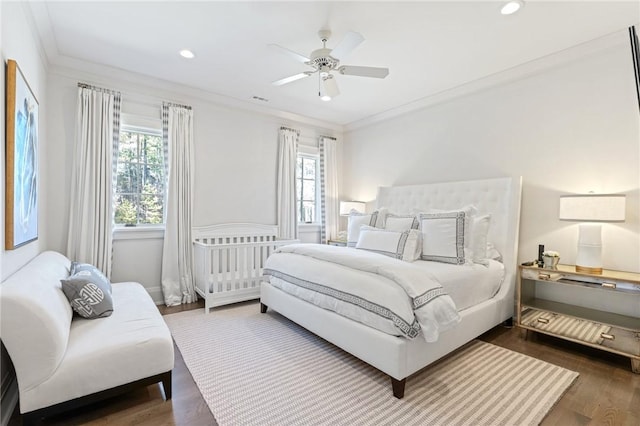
331	87
364	71
350	41
290	53
291	78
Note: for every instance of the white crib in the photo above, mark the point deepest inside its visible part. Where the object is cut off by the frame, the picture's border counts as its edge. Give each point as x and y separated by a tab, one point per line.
228	260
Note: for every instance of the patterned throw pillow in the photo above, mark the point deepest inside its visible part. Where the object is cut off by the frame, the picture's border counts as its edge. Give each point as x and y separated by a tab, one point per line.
97	273
89	294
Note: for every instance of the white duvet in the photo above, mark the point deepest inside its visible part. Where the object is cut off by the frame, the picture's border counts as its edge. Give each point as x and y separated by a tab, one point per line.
396	292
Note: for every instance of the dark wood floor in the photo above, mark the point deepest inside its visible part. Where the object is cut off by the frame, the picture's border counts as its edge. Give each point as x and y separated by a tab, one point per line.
606	393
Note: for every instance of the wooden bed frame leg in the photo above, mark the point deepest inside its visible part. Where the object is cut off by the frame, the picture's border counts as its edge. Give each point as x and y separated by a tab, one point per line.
263	308
166	385
398	387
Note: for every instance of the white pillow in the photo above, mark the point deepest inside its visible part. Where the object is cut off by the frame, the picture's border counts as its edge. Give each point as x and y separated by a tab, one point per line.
446	235
479	231
356	220
400	245
400	223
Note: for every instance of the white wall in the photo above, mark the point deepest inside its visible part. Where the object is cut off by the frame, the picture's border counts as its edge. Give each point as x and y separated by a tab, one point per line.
572	128
235	162
20	43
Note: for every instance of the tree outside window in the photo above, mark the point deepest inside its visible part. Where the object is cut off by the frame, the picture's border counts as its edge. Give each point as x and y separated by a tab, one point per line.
140	179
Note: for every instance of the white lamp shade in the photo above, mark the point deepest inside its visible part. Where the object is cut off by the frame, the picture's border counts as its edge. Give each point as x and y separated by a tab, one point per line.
347	206
592	208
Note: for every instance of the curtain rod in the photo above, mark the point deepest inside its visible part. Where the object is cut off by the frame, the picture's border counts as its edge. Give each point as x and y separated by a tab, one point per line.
328	137
99	89
176	105
289	128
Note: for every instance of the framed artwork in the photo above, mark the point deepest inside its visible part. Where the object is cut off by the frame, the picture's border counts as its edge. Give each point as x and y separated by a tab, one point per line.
21	180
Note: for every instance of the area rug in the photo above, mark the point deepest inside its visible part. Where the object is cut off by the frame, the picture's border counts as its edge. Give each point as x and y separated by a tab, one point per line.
262	369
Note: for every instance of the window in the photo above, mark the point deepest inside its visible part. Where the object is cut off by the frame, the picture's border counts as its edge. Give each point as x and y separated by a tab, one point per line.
307	186
140	178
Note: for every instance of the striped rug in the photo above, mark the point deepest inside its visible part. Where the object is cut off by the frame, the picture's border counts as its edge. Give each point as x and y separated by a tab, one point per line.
262	369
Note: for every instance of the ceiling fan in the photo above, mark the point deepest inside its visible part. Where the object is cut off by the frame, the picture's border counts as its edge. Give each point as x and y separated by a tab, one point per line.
325	60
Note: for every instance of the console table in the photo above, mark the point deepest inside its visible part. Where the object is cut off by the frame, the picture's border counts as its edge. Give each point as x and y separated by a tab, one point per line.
601	311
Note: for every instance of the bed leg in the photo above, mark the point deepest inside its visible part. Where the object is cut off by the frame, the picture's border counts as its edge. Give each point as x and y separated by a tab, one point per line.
508	322
263	308
398	387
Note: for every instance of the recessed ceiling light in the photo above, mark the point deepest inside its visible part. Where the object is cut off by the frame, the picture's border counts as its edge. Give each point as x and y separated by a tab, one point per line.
512	7
325	98
186	53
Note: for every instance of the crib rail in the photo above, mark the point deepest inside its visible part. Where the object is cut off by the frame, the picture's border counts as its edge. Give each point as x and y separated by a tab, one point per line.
229	261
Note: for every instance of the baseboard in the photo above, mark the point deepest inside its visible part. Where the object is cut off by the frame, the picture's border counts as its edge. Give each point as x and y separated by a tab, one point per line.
9	402
156	294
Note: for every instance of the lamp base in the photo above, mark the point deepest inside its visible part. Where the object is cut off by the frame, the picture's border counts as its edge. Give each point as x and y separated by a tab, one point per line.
588	270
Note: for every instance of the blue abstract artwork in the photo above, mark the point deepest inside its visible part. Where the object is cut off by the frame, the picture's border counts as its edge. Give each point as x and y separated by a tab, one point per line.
22	161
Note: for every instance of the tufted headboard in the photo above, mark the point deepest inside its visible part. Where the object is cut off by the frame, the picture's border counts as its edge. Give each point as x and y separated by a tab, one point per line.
500	197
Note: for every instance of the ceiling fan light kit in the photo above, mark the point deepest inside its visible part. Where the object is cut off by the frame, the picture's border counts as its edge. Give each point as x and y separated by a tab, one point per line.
325	60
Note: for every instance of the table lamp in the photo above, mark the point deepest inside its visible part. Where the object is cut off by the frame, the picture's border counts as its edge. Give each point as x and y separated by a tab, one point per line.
347	206
591	208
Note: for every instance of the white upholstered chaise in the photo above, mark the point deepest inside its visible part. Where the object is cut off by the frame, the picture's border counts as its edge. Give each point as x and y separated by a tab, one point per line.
62	361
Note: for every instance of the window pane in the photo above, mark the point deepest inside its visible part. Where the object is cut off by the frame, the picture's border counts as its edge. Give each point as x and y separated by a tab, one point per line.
140	179
298	189
308	211
126	210
299	167
309	190
309	168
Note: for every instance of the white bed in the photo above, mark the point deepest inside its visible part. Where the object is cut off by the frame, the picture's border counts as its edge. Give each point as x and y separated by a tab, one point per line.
400	357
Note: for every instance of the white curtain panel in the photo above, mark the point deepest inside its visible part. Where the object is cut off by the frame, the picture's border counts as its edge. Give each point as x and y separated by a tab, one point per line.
95	155
177	260
287	156
330	204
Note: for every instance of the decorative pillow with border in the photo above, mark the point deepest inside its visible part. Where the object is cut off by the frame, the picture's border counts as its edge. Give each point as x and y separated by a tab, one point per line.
357	220
404	245
78	267
400	223
88	294
446	236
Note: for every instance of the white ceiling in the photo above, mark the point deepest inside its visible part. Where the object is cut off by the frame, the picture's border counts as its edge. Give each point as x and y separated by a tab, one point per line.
429	47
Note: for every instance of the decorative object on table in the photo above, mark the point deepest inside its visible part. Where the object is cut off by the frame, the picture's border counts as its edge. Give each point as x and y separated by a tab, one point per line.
540	251
21	180
591	208
550	259
347	206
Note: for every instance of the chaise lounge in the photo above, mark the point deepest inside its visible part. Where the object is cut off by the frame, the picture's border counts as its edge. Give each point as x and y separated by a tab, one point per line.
63	361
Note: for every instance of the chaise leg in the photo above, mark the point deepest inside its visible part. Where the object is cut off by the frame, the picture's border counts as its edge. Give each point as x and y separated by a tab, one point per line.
166	385
398	387
263	308
30	419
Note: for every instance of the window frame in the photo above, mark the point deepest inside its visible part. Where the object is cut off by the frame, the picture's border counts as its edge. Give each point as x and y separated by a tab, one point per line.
142	230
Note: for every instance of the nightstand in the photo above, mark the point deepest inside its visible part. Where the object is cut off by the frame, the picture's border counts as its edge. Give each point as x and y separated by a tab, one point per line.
601	311
340	243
